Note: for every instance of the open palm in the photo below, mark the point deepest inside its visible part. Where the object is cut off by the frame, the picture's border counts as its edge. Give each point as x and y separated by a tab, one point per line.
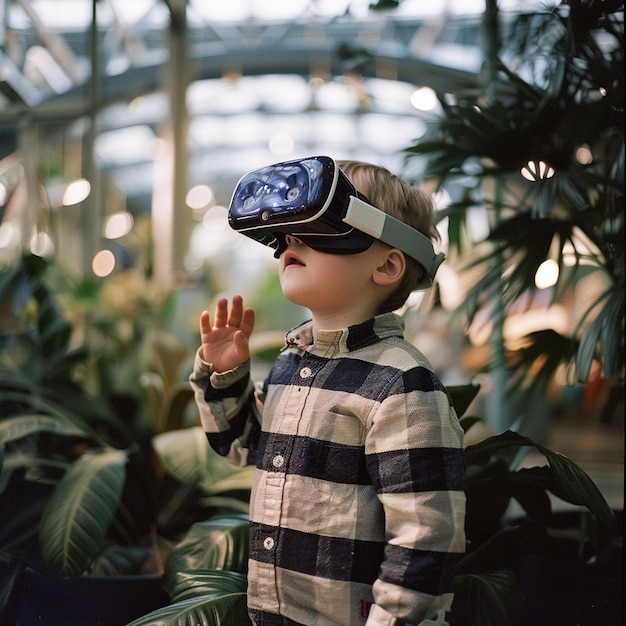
225	340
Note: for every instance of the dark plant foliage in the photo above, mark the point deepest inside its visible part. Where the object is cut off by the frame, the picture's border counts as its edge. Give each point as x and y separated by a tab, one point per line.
556	88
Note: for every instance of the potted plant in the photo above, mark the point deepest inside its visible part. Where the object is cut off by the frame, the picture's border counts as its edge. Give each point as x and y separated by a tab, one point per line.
81	490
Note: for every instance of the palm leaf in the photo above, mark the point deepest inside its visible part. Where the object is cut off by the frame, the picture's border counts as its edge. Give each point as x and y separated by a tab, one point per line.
537	361
206	581
606	332
80	510
205	598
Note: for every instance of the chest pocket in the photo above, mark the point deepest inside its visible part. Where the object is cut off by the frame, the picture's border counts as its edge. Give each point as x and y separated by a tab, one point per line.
341	428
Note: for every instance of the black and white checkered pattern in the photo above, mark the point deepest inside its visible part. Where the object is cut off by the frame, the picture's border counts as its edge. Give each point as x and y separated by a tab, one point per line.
358	498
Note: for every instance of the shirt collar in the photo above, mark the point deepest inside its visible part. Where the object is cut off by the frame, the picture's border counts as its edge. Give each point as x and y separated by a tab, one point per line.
333	342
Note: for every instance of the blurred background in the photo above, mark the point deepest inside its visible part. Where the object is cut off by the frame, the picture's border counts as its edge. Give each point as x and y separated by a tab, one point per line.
124	127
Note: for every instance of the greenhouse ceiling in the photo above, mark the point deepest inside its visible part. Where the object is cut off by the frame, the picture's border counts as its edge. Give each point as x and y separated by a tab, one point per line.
262	80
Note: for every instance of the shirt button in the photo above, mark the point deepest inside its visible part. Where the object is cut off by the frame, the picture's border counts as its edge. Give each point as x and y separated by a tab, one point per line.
278	461
305	372
268	543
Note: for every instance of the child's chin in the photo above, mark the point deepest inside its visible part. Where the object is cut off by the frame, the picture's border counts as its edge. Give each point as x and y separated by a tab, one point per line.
296	295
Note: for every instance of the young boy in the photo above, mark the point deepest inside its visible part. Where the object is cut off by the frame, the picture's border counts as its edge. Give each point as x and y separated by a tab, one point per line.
357	511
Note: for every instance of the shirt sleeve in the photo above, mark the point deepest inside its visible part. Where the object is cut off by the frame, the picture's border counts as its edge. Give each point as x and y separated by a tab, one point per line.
414	454
230	409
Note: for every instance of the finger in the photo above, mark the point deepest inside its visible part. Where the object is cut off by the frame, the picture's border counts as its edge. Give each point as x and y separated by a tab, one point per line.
247	322
236	312
241	345
205	324
221	313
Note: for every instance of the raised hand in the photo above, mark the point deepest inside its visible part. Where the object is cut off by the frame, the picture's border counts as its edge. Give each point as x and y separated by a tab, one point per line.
225	341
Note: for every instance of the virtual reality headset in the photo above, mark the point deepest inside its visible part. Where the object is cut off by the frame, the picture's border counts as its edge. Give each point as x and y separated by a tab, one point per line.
313	200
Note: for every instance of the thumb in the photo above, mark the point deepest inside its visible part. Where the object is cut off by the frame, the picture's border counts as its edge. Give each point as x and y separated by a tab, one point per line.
241	344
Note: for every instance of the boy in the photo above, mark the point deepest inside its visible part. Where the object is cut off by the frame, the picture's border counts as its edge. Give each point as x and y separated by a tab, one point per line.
357	511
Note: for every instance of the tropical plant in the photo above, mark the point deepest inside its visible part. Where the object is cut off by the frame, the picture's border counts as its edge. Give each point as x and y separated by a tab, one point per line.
487	584
205	576
539	144
82	490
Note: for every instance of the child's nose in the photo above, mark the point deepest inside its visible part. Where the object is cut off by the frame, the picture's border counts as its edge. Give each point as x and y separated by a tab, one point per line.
289	239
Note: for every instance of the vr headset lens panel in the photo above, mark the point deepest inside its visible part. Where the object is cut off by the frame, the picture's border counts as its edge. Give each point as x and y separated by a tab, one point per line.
307	198
282	194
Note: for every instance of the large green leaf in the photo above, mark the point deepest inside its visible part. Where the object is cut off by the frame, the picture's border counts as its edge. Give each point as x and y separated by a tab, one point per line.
205	598
574	485
118	560
467	421
219	543
53	330
530	486
462	396
240	479
188	457
569	481
63	401
167	402
206	581
80	510
55	396
184	454
14	428
38	369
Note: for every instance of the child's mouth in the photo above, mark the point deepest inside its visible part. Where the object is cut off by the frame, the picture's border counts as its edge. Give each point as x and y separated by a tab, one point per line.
292	259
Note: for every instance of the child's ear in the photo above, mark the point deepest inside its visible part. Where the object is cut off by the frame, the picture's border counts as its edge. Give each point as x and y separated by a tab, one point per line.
392	269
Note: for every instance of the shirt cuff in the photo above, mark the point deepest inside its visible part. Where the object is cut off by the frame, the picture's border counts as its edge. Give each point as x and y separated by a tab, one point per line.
218	380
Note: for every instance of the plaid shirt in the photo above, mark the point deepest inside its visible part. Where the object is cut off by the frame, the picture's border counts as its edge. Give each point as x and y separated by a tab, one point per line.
357	510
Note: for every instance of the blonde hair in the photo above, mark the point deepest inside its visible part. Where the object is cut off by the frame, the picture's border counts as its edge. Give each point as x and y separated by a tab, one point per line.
401	200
